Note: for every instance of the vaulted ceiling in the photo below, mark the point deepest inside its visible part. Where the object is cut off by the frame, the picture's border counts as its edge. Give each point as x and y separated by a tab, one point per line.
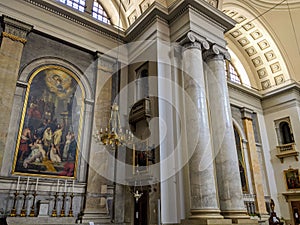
266	38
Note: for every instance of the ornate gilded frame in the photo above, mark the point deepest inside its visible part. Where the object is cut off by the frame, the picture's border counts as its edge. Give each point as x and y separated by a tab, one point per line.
59	87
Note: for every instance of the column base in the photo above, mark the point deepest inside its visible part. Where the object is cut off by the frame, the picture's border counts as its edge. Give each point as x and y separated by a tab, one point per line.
234	214
206	222
205	214
220	222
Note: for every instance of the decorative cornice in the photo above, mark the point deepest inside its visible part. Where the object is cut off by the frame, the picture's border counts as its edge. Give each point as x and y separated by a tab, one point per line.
216	52
193	40
14	37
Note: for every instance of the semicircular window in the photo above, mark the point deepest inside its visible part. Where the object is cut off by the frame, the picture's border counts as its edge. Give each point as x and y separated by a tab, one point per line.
99	13
232	73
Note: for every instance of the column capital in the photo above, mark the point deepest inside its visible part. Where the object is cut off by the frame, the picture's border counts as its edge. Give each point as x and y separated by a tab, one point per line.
193	40
15	29
216	52
246	113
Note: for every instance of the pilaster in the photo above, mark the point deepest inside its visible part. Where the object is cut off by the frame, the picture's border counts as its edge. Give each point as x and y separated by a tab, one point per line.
13	40
254	164
98	181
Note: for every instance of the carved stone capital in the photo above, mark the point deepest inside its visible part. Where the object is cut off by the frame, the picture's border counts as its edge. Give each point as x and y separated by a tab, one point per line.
193	40
216	52
15	30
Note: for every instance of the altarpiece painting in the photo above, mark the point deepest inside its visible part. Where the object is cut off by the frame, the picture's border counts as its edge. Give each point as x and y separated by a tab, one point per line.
292	178
49	133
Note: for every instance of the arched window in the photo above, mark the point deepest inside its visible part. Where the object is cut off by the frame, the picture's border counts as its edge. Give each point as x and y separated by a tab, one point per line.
99	13
286	134
231	73
284	131
75	4
242	165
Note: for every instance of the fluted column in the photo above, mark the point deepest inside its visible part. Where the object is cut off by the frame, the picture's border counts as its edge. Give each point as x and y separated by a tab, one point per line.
13	40
260	202
228	176
203	203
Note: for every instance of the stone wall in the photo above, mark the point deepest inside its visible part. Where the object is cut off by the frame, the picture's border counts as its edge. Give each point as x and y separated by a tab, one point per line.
37	47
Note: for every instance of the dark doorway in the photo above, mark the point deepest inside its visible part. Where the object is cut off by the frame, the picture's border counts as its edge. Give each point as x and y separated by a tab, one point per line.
141	210
296	211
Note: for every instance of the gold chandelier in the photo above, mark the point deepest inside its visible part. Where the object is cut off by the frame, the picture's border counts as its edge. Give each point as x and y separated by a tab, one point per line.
113	134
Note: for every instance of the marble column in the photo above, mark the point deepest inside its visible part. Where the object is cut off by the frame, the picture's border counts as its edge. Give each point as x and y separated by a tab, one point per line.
260	203
13	40
98	178
228	176
203	202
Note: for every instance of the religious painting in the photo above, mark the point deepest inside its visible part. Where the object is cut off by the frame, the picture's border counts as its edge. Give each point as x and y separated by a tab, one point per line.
49	134
143	156
292	178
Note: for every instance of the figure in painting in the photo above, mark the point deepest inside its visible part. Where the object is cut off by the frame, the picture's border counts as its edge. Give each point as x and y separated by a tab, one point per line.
54	157
57	135
47	138
24	143
67	145
37	154
69	150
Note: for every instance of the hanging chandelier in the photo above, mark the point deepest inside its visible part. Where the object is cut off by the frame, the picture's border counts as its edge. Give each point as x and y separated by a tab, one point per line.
113	134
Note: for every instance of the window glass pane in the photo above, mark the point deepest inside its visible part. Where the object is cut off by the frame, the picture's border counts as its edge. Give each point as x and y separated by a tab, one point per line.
75	4
99	13
232	74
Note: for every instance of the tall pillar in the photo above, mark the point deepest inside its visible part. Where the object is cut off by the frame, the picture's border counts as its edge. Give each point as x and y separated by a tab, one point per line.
257	181
228	176
97	190
13	40
203	203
